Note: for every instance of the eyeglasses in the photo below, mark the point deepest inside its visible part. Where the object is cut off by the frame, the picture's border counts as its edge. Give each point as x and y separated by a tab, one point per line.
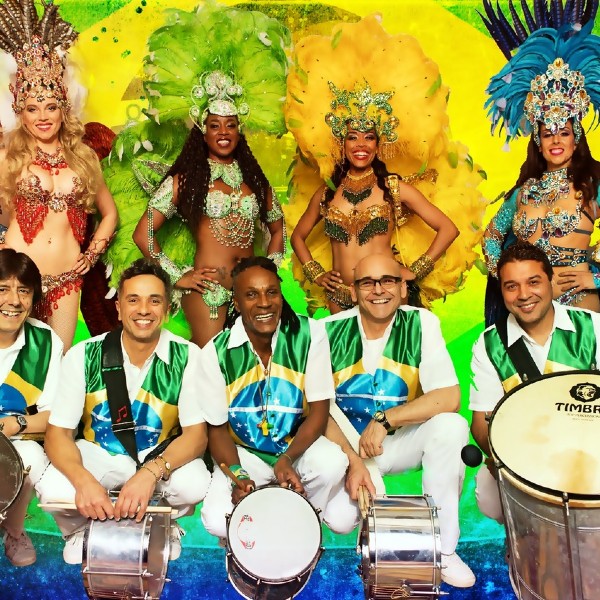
387	282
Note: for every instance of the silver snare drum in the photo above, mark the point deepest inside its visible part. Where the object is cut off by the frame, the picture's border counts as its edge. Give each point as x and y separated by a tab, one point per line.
11	475
399	543
126	559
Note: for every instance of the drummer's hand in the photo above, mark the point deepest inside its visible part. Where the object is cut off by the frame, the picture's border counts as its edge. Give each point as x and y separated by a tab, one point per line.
197	280
135	495
358	475
238	493
286	474
92	500
371	440
575	281
329	280
10	426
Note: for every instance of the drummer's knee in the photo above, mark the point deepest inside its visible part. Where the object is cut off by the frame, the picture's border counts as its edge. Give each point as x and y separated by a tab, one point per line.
448	429
324	460
189	484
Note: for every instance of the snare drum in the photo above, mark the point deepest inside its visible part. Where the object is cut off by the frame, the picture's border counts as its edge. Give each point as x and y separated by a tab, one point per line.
273	544
125	559
399	543
544	438
11	474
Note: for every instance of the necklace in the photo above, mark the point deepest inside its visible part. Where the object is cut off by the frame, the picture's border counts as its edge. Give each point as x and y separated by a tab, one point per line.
48	162
230	174
550	187
265	425
358	188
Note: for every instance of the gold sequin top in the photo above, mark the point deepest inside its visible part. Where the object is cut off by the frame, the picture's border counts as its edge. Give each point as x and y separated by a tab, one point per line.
361	224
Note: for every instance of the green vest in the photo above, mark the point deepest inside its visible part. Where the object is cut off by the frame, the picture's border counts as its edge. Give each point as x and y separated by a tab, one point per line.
154	409
25	382
275	404
396	379
569	350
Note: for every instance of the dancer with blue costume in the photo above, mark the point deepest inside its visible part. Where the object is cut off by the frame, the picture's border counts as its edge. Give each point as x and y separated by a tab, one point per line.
545	91
270	380
156	397
396	396
30	357
210	202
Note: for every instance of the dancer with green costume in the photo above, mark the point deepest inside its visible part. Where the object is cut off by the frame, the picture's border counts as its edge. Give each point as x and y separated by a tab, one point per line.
233	75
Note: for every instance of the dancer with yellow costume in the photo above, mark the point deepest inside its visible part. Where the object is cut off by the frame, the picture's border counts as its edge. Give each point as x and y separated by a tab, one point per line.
368	111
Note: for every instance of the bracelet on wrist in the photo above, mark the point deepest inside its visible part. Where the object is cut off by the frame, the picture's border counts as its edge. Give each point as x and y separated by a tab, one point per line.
422	266
312	270
157	478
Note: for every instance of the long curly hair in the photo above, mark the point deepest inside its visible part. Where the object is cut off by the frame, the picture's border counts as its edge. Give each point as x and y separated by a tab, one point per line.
20	147
584	171
193	173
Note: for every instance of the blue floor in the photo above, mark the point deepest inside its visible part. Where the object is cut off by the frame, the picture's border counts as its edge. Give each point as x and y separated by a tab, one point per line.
200	574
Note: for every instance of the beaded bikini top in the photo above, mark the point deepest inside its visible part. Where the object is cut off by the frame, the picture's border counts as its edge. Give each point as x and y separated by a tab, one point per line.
362	224
33	202
219	204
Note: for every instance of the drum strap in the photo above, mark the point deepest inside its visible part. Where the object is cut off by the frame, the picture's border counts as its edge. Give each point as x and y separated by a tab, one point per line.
113	376
352	436
518	354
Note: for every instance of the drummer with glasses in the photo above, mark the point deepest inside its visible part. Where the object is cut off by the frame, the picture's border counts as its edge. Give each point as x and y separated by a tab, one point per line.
548	336
396	398
30	357
269	377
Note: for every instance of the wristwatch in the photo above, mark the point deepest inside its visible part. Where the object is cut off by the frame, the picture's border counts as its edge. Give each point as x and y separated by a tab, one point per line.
380	417
22	422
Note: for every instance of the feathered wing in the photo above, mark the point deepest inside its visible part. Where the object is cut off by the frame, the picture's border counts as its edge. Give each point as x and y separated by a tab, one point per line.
386	62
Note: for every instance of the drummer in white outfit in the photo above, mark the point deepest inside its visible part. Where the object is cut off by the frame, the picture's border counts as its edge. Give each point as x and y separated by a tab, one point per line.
30	355
396	387
525	276
276	409
155	363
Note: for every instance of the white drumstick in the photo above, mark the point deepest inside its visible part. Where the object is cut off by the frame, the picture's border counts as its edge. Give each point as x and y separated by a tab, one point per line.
71	506
363	500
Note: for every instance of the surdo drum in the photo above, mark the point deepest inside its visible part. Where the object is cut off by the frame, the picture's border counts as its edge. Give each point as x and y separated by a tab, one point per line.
544	438
273	543
11	475
399	544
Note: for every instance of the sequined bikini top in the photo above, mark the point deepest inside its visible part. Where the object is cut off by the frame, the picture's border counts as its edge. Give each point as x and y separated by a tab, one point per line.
218	205
362	224
557	222
33	202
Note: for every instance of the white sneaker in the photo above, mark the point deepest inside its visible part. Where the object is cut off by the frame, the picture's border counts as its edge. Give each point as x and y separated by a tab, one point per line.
73	550
175	541
455	572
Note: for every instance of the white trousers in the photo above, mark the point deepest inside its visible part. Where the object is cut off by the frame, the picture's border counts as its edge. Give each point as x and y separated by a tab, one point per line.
185	488
322	470
34	457
487	494
434	445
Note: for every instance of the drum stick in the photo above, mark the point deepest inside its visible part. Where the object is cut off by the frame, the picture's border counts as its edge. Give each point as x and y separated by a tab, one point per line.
363	500
231	476
70	506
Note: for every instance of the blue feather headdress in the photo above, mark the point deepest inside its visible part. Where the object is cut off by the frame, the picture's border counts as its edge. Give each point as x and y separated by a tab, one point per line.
553	69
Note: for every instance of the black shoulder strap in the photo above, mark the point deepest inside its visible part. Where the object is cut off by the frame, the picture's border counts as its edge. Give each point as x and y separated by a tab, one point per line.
113	376
518	354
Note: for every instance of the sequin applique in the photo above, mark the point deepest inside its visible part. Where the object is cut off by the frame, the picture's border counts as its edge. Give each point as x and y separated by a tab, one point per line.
362	224
33	202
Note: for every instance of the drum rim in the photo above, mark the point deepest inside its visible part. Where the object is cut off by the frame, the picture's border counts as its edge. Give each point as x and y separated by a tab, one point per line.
6	441
558	494
314	560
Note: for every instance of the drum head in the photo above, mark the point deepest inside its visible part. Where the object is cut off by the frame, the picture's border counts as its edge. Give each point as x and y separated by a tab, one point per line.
11	473
274	533
546	433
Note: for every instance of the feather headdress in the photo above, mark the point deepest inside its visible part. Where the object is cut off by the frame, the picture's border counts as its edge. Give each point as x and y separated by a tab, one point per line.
553	69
